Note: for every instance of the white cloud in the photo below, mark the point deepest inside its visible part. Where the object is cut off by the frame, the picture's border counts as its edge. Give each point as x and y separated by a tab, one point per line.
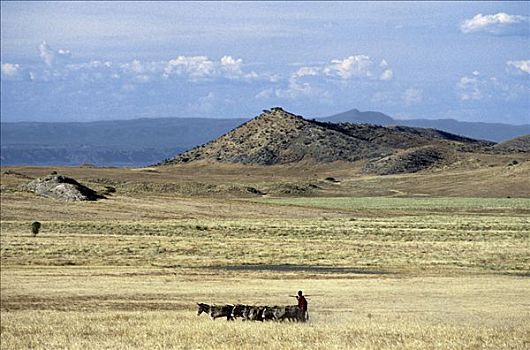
412	96
231	68
307	71
46	53
91	71
195	66
94	64
204	104
137	67
504	88
295	89
202	68
469	88
50	56
187	68
141	72
10	70
520	66
231	64
493	23
313	81
264	94
351	67
508	90
386	75
304	82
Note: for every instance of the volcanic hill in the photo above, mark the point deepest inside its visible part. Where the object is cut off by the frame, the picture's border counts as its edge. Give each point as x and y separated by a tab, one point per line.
280	137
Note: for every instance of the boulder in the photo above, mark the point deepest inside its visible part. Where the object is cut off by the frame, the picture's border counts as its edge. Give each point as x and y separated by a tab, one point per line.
61	187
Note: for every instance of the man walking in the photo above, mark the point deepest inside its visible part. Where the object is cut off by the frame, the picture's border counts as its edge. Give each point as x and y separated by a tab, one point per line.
302	307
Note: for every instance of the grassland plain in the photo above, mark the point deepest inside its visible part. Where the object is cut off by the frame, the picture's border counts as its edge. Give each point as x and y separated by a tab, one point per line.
397	273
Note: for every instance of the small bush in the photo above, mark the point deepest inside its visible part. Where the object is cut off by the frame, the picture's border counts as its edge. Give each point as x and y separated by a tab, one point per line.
35	227
331	179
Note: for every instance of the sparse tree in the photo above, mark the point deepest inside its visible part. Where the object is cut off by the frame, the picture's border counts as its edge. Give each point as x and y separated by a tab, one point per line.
35	227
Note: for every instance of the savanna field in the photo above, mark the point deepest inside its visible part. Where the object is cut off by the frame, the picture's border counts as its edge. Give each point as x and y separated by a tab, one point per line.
178	174
427	272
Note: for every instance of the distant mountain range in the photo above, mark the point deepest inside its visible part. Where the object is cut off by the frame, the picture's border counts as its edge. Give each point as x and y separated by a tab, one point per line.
135	142
496	132
141	142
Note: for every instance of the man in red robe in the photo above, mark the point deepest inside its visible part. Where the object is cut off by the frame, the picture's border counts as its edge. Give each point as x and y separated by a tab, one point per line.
302	307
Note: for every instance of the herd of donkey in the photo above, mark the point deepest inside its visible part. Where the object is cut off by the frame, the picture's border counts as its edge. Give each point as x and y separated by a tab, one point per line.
292	313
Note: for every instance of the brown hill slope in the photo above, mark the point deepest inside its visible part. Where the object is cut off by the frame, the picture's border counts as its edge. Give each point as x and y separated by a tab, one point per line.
518	144
279	137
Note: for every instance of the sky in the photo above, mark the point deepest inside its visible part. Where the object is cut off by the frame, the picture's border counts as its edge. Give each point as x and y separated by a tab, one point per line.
86	61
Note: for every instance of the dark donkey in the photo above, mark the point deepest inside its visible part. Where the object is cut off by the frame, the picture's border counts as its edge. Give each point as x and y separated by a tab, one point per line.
216	311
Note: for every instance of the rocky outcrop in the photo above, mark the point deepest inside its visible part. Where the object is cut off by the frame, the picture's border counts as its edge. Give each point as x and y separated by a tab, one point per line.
63	188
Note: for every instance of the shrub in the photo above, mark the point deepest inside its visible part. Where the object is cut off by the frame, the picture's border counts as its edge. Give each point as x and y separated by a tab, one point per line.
35	227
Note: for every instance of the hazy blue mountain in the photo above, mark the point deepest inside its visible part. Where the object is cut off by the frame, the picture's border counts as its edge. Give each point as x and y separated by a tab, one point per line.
358	117
163	132
84	154
106	143
497	132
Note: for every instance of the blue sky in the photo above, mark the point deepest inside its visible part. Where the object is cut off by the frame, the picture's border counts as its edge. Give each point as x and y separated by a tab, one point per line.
82	61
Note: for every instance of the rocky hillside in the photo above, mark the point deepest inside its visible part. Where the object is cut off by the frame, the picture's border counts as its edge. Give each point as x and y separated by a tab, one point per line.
518	144
279	137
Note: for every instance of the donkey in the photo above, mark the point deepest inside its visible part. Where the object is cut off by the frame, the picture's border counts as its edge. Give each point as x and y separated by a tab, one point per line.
248	312
202	307
273	313
290	313
240	310
255	313
216	311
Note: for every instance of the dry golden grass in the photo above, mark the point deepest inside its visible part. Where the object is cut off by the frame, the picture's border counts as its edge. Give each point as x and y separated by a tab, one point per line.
384	273
154	308
435	244
168	330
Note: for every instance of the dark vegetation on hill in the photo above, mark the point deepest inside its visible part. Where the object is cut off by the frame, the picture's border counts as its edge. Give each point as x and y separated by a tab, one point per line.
279	137
408	161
